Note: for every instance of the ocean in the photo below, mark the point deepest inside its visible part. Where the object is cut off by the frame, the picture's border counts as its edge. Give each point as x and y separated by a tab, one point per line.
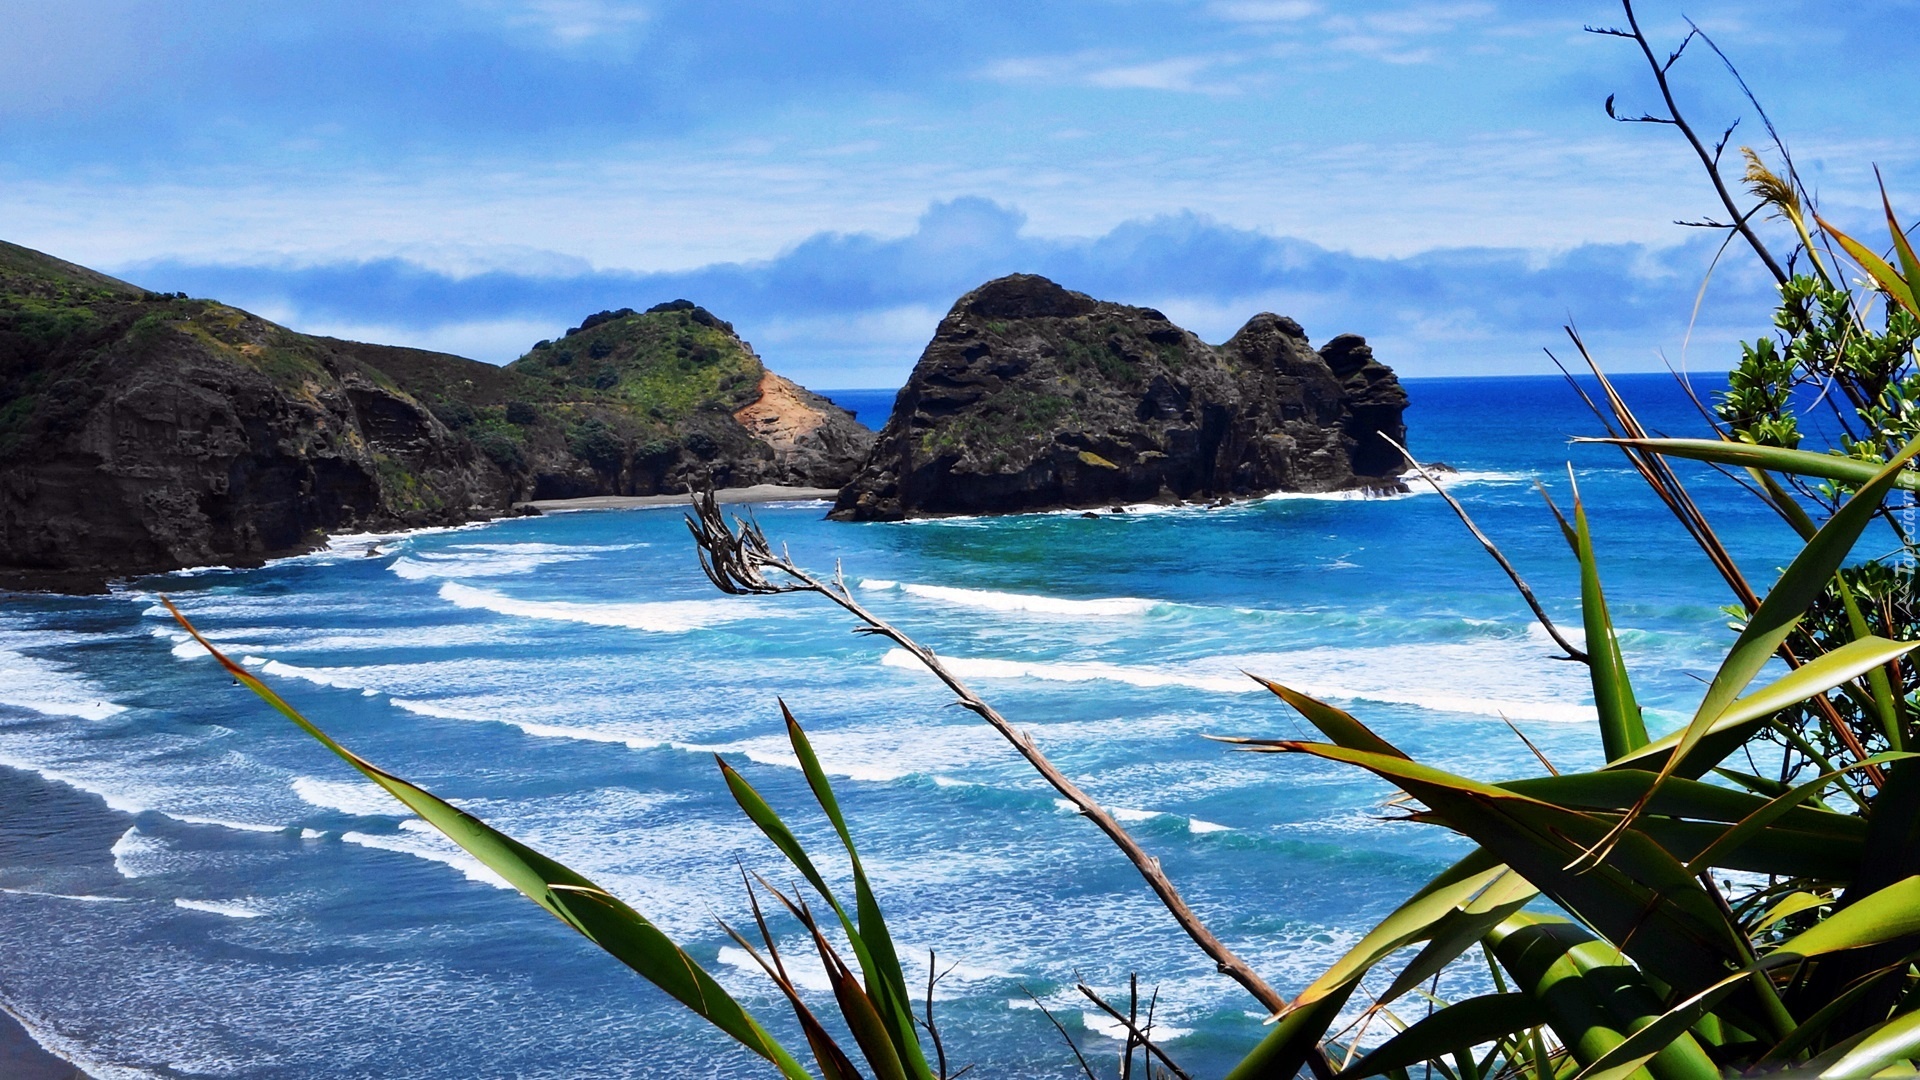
190	887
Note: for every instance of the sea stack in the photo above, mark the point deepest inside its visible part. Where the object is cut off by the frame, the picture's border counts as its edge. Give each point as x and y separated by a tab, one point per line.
1034	397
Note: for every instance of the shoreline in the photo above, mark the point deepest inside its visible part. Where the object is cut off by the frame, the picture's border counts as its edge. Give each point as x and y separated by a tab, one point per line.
22	1058
24	582
758	493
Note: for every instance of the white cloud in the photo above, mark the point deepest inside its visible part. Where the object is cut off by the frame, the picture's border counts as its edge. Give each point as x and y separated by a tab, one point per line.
570	22
1105	71
1263	11
1177	73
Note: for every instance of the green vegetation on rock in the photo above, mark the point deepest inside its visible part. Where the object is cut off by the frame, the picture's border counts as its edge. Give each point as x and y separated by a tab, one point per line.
146	431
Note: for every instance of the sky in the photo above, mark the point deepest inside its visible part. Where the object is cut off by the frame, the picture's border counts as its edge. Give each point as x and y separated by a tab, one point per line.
475	175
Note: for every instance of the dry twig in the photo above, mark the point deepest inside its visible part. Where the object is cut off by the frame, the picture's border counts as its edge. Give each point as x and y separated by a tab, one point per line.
1135	1035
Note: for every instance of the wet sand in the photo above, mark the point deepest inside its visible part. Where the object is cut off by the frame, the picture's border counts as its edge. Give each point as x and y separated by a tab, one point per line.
759	493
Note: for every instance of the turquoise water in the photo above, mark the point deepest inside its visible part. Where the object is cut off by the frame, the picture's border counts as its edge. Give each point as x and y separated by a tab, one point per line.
189	887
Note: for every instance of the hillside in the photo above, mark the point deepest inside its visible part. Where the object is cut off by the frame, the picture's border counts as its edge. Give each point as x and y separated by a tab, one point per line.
143	432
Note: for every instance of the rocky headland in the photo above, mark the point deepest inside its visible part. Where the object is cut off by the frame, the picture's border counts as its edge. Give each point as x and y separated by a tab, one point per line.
143	432
1033	397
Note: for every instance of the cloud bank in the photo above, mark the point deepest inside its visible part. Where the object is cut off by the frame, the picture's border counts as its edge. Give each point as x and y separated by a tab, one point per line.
854	309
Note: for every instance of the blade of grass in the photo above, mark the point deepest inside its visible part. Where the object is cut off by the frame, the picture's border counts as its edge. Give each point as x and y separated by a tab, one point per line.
1622	730
1845	470
886	983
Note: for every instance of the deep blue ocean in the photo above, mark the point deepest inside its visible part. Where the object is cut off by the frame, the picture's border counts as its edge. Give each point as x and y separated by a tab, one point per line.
190	887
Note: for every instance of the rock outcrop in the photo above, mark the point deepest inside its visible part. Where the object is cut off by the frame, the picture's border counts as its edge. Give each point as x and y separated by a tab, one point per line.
144	432
1033	397
642	403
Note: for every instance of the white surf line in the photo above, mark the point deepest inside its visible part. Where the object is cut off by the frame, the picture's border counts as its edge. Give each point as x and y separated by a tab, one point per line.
1194	825
993	600
69	896
217	907
1158	678
658	616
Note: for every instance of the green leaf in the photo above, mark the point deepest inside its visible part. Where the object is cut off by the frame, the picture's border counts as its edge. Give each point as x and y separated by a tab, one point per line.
833	1061
1909	264
1456	1027
1411	921
1876	267
1799	587
1665	1036
762	814
1641	896
856	1008
1849	471
1892	912
1534	951
1896	1041
592	911
1460	930
1335	724
1622	730
886	983
1712	741
1295	1037
1779	808
1826	856
1791	904
1616	790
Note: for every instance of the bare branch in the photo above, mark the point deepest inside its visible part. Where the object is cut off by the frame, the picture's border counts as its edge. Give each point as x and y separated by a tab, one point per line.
1071	1045
1676	119
1133	1032
1721	146
934	975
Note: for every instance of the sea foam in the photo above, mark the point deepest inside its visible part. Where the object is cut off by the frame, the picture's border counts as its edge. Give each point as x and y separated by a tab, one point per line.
217	907
423	841
990	600
136	854
50	689
358	798
658	616
1481	677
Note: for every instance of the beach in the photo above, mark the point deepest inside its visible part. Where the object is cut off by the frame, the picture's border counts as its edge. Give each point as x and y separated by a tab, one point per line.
758	493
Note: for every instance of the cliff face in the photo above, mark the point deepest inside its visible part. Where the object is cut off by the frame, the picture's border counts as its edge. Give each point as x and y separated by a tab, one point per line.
1033	397
146	432
143	432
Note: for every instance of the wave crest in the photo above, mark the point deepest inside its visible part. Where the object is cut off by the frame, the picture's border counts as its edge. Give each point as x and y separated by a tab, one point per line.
657	616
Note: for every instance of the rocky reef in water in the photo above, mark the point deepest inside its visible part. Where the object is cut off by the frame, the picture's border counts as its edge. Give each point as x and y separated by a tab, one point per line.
144	432
1033	397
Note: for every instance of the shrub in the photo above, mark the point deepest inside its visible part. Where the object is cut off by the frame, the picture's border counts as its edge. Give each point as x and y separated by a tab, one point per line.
503	450
593	441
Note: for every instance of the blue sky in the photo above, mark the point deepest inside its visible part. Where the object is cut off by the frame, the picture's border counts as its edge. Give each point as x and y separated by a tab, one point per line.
473	175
